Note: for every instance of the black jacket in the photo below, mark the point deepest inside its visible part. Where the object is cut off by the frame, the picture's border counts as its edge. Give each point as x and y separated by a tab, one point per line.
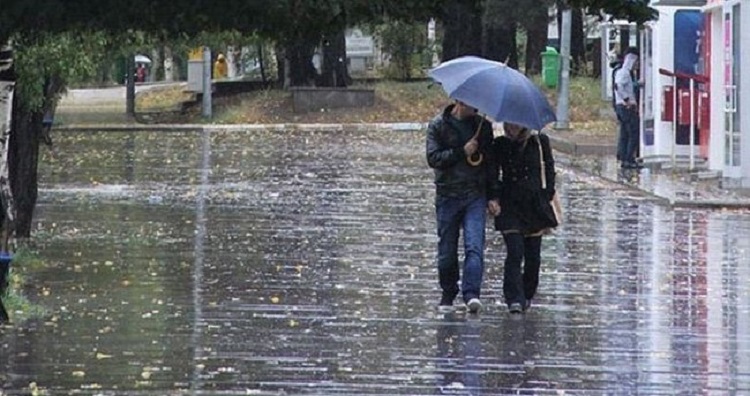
446	138
519	182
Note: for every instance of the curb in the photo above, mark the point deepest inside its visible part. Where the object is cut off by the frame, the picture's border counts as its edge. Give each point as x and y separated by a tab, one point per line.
573	148
359	127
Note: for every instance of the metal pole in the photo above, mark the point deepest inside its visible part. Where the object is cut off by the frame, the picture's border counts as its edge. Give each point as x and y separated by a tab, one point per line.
207	110
563	121
130	87
674	121
692	125
604	59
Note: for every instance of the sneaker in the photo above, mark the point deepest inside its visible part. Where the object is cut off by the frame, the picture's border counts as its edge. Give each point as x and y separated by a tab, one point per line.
446	303
528	305
474	305
515	308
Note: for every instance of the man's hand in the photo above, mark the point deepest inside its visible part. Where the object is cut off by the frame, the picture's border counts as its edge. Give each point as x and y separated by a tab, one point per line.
494	207
471	147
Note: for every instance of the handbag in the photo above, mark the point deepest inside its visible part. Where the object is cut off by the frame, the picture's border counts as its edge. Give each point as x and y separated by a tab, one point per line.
553	207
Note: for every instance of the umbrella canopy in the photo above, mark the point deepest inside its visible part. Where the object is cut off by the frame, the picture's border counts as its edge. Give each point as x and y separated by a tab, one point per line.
496	90
142	59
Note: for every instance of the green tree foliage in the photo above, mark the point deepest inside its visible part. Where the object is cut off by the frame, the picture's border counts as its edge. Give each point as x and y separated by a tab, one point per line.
404	41
637	11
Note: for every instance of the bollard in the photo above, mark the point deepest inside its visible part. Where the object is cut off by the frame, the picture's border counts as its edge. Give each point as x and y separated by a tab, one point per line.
5	259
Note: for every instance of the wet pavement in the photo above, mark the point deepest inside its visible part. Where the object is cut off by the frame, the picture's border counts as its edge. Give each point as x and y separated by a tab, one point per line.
302	263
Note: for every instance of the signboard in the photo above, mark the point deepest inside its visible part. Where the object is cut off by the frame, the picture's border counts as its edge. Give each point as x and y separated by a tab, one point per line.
358	44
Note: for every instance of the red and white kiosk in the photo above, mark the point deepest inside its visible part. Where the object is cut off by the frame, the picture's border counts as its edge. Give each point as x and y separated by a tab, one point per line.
728	29
692	101
675	97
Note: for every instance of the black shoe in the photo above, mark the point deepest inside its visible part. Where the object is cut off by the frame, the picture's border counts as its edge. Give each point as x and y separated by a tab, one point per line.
446	303
631	165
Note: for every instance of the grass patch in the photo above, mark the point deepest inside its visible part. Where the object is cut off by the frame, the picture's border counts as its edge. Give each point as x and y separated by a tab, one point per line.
264	106
395	101
19	307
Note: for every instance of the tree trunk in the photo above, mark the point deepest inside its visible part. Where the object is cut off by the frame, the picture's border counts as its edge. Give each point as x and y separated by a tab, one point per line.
281	69
536	38
23	155
499	33
262	63
334	71
499	44
301	71
7	99
462	26
130	86
156	70
596	57
577	43
7	209
23	159
231	58
168	64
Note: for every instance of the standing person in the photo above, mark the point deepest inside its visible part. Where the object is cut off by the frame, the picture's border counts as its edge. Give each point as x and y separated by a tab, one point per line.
220	67
140	73
626	107
458	149
517	211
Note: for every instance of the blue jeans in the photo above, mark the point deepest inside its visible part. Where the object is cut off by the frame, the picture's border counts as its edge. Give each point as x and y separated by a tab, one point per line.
469	213
628	141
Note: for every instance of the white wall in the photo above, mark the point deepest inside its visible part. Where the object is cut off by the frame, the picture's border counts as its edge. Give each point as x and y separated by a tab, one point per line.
716	143
744	93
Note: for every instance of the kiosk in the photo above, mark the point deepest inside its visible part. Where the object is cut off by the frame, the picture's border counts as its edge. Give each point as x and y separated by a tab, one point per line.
675	97
728	30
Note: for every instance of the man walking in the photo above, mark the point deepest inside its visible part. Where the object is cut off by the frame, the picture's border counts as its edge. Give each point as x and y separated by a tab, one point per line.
458	149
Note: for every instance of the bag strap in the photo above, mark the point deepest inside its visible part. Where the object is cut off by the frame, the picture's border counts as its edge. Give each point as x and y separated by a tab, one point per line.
542	172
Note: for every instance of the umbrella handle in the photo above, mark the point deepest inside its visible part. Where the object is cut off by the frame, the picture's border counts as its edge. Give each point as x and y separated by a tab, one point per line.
476	158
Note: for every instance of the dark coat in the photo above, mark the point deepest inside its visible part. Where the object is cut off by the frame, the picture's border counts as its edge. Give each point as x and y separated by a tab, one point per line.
446	138
519	183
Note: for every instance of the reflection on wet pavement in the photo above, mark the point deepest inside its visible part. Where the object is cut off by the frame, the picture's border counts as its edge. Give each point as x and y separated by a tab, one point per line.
271	263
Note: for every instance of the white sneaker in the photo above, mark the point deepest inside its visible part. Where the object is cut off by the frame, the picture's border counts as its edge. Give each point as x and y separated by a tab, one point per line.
474	305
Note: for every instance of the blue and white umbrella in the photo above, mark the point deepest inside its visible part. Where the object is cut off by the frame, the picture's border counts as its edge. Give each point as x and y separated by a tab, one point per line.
496	90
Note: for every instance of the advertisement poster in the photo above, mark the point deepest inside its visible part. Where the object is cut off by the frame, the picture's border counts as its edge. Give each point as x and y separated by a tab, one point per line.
688	28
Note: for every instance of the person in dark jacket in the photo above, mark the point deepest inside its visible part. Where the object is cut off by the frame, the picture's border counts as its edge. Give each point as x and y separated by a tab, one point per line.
458	149
517	211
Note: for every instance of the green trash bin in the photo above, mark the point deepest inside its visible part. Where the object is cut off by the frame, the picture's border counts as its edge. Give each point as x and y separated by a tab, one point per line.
550	67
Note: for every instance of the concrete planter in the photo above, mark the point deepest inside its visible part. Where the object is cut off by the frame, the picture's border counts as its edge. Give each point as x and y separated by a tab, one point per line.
307	99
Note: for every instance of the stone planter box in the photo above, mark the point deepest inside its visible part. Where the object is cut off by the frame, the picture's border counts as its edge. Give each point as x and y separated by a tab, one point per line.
307	99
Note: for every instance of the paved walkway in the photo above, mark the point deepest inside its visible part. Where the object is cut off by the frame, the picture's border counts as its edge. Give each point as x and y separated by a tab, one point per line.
673	186
293	262
91	109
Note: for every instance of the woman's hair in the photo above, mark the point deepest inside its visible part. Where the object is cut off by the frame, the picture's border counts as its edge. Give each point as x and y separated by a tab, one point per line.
524	136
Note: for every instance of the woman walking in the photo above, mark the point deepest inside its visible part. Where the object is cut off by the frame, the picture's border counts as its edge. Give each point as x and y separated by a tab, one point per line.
525	170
